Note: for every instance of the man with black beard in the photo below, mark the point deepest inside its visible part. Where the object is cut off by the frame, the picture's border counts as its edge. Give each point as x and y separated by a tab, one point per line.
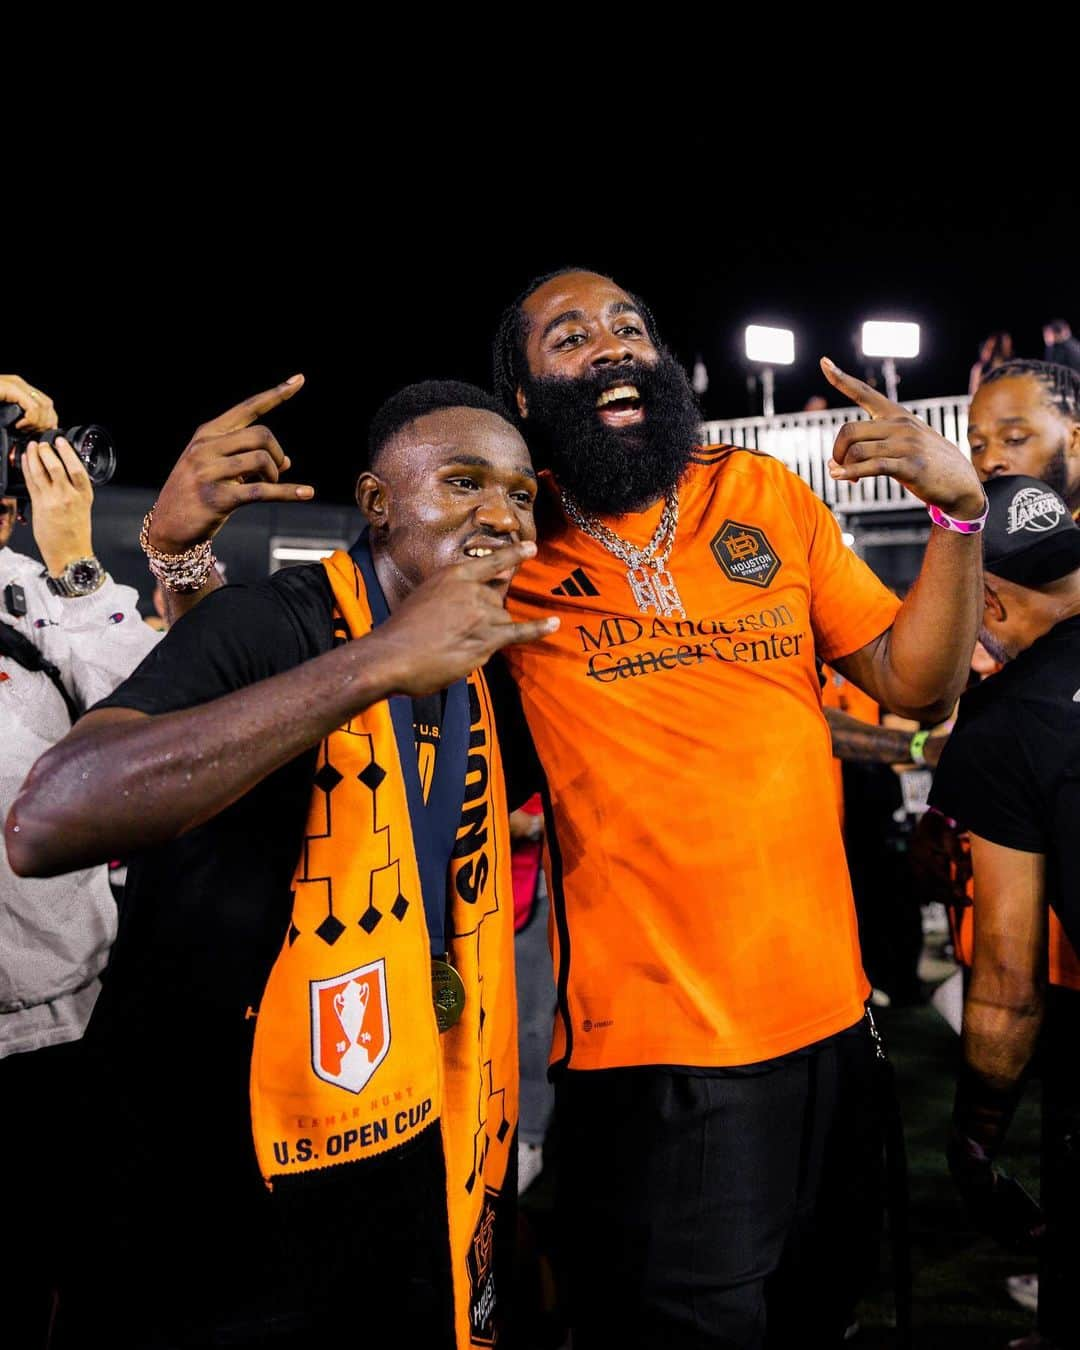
1010	776
711	1047
1026	420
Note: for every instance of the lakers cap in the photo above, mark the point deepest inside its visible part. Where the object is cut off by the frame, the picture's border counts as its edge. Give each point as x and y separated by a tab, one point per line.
1030	535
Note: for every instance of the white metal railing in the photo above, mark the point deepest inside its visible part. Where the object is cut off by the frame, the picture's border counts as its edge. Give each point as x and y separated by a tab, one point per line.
804	441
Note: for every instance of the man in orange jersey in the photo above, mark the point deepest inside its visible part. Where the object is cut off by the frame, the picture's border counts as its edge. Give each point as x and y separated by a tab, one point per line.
710	993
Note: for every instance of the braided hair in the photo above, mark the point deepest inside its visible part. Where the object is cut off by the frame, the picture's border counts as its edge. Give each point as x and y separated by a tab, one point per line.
1060	383
508	346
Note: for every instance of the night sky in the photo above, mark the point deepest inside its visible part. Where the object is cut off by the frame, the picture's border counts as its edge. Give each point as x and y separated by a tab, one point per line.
176	285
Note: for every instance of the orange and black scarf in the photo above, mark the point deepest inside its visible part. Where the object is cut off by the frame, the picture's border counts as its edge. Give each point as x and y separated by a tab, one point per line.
348	1062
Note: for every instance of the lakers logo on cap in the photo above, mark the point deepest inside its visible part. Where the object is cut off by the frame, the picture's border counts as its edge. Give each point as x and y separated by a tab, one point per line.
1035	510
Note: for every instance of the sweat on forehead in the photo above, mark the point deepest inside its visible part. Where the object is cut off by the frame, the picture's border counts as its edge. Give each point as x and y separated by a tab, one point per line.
415	401
567	283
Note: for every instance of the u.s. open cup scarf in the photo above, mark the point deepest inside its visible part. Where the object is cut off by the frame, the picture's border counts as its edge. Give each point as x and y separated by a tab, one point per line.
348	1061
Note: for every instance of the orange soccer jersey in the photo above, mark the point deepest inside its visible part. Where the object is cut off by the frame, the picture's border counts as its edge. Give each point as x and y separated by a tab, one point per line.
702	912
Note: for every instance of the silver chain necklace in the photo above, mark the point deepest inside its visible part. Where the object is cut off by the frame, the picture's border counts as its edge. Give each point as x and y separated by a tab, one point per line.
651	583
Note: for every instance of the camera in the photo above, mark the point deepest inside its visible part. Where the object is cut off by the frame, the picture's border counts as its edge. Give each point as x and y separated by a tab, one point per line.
92	443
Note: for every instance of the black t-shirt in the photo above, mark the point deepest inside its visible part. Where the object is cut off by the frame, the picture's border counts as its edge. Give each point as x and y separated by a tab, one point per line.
1010	772
184	1233
428	712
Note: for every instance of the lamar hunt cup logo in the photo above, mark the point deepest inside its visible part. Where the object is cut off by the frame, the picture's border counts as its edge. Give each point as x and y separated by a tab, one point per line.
350	1026
1035	510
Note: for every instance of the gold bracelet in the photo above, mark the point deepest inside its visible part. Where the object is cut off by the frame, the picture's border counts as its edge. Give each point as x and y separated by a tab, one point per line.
185	571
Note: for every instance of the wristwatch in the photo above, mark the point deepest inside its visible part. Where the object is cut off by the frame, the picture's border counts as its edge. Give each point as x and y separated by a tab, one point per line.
82	577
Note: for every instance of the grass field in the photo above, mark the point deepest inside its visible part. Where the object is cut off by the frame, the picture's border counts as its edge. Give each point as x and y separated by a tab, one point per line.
958	1276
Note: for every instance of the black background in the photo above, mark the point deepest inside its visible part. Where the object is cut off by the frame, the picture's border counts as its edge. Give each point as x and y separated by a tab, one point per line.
179	267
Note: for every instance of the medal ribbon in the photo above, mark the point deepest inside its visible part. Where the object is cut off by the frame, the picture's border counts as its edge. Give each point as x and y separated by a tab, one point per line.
434	822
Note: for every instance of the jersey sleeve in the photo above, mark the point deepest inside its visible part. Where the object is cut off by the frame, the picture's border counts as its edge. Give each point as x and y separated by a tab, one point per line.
984	781
235	637
849	605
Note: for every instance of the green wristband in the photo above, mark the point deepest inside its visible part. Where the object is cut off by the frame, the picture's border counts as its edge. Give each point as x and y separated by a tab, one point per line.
915	749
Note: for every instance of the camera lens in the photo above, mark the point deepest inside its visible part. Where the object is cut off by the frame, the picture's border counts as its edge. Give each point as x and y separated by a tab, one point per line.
94	446
12	482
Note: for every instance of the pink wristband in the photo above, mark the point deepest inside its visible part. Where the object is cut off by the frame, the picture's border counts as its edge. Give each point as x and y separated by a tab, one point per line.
938	516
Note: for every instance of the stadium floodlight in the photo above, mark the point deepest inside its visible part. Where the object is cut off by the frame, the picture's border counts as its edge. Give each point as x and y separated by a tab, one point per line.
890	341
769	347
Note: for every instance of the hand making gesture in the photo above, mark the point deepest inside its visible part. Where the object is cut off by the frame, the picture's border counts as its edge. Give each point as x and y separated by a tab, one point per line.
896	443
230	461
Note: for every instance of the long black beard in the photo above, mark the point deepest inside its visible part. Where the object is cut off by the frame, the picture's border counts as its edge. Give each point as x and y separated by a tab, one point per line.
613	470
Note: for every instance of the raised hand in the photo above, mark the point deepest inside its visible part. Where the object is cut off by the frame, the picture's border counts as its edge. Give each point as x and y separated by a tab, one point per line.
38	411
898	444
61	496
453	622
229	462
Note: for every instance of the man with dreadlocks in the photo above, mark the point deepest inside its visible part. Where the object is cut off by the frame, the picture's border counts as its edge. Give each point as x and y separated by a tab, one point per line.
1024	421
1025	418
710	993
1009	777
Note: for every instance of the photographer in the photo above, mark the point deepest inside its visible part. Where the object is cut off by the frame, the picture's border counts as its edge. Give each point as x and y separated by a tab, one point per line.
68	635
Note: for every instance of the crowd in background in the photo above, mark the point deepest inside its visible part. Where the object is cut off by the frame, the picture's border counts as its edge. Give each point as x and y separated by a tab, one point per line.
70	637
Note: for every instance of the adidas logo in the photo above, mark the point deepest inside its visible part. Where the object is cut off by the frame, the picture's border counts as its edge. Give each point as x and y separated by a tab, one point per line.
577	583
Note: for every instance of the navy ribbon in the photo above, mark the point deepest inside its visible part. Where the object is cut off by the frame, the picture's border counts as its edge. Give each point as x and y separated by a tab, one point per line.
434	822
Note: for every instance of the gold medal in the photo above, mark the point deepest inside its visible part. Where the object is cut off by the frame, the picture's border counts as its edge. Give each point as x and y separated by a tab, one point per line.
447	993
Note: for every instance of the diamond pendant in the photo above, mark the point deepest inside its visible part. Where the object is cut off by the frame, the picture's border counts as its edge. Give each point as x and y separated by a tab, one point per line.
654	588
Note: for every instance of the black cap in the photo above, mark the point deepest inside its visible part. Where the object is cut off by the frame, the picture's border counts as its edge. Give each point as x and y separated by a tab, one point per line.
1030	535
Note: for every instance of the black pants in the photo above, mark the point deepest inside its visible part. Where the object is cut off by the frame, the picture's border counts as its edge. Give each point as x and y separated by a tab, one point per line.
1059	1258
36	1089
740	1208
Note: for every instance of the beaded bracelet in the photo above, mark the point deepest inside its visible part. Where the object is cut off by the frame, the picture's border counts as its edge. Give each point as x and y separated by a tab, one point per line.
182	572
